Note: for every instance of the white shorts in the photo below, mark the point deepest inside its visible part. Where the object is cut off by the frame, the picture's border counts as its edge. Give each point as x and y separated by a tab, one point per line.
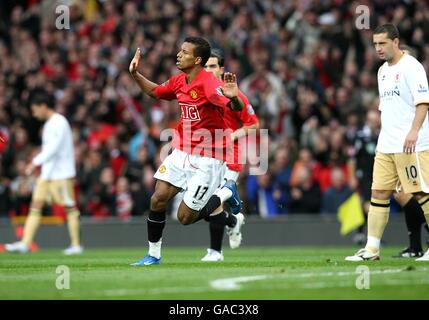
198	176
230	175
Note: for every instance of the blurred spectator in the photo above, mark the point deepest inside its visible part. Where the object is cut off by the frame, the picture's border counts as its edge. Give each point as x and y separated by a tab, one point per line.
305	197
305	160
260	195
362	153
5	197
124	202
102	202
282	172
335	195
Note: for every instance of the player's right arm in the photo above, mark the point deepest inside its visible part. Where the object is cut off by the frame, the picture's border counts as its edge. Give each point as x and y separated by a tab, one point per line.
418	84
50	146
248	117
146	85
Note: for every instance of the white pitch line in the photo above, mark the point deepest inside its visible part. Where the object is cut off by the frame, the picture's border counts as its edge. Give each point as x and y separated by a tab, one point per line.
234	283
229	284
126	292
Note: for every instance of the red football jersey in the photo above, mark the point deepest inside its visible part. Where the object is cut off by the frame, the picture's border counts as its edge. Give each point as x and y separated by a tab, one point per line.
236	119
202	129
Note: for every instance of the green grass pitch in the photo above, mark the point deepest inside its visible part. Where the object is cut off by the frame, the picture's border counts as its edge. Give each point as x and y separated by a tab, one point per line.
275	273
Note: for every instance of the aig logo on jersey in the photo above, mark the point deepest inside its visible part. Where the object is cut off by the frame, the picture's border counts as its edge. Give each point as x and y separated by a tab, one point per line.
189	112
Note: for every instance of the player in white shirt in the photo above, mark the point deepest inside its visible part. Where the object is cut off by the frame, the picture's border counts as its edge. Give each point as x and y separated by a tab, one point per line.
403	144
55	183
414	216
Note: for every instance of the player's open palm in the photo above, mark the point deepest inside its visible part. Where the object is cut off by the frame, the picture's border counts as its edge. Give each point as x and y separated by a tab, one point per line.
230	88
135	62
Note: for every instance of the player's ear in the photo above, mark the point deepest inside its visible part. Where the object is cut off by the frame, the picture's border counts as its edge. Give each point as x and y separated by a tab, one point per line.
222	70
396	42
198	60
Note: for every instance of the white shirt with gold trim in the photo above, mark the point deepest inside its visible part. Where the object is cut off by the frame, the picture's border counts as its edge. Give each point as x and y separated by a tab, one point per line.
401	88
57	155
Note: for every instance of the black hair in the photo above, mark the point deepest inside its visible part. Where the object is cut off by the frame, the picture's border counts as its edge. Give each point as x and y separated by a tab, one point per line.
42	97
217	53
202	48
390	29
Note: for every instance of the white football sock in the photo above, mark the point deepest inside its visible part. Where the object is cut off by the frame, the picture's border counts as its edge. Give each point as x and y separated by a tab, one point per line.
224	194
155	249
373	243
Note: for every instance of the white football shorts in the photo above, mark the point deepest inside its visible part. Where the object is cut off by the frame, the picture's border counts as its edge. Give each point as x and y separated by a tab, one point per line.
198	176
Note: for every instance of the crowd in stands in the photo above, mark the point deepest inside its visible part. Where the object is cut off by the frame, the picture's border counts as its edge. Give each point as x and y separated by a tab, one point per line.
306	68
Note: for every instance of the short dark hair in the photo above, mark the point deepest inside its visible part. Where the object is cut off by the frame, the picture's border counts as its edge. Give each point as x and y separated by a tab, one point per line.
217	53
42	97
390	29
202	48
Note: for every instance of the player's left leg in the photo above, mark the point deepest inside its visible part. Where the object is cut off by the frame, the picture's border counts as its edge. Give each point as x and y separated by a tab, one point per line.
171	179
217	223
228	193
414	178
423	199
203	177
385	178
40	195
414	218
62	192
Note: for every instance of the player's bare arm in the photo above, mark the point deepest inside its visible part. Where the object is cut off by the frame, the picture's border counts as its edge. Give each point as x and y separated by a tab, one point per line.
243	131
230	90
411	139
146	85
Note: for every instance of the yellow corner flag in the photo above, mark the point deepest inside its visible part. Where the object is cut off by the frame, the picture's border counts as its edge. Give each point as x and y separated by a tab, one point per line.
350	214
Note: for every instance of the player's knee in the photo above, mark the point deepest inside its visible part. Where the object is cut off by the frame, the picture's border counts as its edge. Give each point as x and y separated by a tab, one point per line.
158	202
36	205
381	194
185	218
72	211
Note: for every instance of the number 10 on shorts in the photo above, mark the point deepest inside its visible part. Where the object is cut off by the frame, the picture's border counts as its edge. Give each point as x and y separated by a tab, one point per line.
411	172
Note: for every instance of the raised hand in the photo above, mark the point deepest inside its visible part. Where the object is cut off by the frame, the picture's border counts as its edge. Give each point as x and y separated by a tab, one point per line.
135	62
230	87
